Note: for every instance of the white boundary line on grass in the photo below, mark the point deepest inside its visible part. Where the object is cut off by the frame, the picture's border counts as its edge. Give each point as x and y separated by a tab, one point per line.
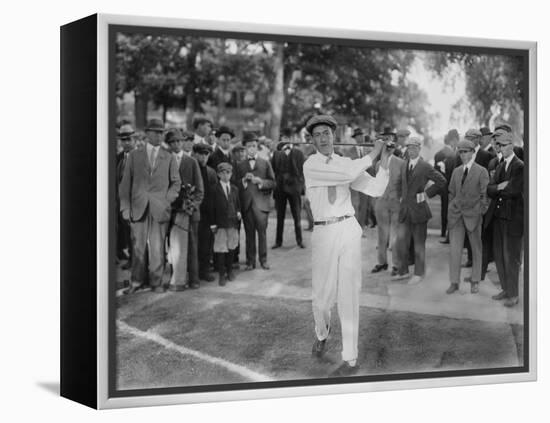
155	337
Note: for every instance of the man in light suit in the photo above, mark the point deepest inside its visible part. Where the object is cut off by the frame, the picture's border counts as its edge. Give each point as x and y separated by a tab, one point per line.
256	180
183	251
467	205
387	212
150	184
414	212
506	214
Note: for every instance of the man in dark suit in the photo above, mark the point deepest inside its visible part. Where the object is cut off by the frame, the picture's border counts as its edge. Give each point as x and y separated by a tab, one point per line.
201	152
414	212
124	238
387	212
467	204
222	153
256	180
150	184
506	214
288	164
183	250
440	158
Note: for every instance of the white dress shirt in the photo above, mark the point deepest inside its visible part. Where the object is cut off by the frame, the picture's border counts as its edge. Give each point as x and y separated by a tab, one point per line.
343	173
151	148
179	156
507	161
413	162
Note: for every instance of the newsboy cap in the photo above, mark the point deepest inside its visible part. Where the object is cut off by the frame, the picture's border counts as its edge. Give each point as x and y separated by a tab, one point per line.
155	125
321	120
465	145
249	136
224	166
504	126
200	120
414	141
202	148
472	133
173	135
505	138
125	131
224	130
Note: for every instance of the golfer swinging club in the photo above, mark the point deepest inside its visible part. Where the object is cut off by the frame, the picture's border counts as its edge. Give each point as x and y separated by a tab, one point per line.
336	239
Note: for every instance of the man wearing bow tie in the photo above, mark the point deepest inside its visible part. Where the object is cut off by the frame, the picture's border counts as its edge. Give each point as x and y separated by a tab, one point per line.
336	239
256	181
150	184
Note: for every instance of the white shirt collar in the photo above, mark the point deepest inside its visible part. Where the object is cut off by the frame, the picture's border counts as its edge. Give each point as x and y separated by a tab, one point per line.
414	161
180	154
187	153
509	159
476	149
226	152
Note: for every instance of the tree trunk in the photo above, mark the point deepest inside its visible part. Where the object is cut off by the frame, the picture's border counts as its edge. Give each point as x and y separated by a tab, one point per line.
278	94
164	112
141	101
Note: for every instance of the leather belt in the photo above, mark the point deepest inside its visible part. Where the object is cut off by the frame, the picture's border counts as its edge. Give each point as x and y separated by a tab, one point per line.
331	220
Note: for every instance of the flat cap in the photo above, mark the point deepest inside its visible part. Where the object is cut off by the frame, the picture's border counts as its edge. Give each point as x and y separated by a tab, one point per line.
499	132
504	126
224	130
505	138
202	148
485	131
200	120
224	166
173	135
321	120
472	133
249	136
125	131
357	132
465	145
155	125
414	141
403	132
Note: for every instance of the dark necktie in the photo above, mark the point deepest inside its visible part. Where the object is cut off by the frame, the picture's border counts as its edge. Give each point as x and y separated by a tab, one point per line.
227	191
331	190
464	175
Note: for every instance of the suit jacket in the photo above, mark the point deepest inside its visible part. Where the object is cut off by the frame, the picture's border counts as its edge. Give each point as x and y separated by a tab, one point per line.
468	200
223	210
483	158
209	180
415	183
444	155
144	187
251	194
289	179
507	204
394	189
190	175
218	157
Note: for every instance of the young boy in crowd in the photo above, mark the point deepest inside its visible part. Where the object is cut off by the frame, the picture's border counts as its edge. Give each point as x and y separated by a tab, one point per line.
225	216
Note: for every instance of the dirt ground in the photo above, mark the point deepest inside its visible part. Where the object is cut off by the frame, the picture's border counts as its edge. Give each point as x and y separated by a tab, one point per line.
260	326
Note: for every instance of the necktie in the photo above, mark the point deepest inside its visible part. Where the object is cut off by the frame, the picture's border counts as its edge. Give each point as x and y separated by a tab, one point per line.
331	190
227	191
153	156
464	175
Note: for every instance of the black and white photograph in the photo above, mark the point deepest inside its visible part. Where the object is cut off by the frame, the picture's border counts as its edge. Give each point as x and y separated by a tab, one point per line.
292	210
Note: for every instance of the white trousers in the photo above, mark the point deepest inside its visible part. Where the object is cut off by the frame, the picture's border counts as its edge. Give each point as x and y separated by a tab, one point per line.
336	277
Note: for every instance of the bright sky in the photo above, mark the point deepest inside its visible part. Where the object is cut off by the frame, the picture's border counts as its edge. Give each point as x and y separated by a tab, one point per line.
442	94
